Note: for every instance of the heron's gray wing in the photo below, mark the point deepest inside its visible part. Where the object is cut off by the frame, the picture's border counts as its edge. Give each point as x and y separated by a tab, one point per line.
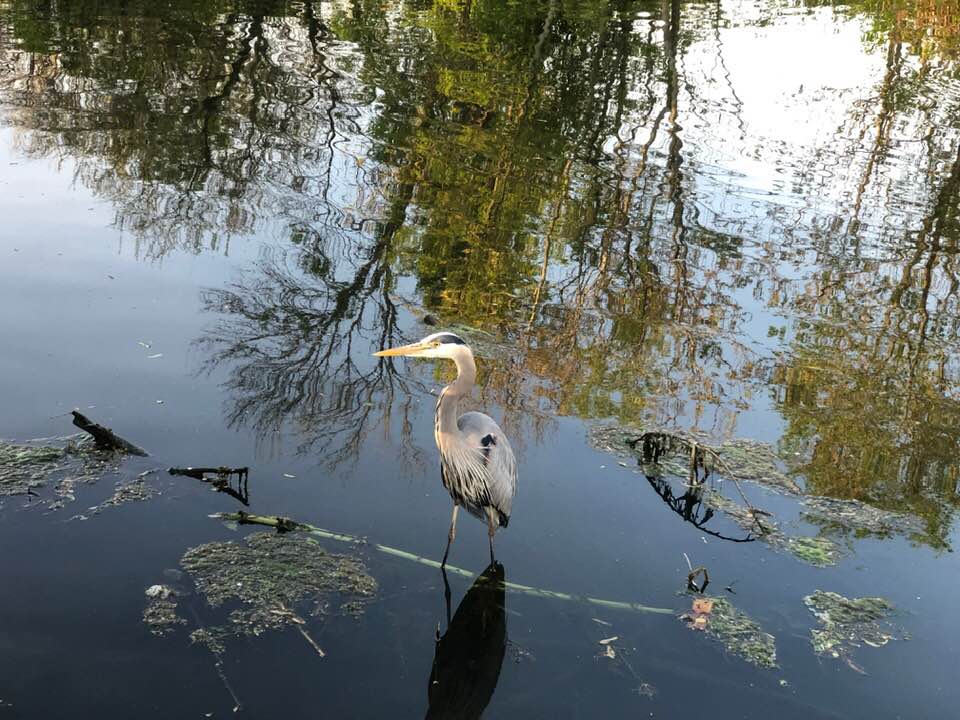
484	435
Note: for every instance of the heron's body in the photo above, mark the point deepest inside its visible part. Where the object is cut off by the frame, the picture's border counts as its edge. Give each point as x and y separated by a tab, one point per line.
477	465
483	478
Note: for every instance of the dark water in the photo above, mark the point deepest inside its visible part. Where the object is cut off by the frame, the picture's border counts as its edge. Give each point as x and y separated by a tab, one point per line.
735	218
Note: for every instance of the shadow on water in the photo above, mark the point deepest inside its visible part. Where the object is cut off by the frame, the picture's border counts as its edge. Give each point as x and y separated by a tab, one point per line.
468	657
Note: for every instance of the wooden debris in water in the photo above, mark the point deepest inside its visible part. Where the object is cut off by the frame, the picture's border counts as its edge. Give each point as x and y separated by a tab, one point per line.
703	458
220	478
104	437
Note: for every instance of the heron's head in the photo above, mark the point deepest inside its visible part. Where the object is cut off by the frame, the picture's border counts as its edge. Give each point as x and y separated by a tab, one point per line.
438	345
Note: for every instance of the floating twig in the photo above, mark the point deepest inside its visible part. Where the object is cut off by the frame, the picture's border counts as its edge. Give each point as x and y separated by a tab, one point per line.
299	623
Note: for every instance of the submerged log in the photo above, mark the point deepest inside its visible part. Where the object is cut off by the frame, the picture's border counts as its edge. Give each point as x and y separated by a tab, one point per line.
104	437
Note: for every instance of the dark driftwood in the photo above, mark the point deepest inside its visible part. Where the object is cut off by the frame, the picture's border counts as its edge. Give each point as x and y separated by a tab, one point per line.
200	473
219	477
104	437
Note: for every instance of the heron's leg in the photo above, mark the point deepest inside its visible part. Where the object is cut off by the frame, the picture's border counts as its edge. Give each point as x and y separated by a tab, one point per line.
450	535
491	531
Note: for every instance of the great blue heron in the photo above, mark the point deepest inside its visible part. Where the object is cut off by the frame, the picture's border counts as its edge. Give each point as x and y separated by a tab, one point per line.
477	466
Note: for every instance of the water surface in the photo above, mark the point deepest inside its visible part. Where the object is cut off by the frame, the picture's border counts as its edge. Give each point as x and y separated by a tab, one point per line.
736	218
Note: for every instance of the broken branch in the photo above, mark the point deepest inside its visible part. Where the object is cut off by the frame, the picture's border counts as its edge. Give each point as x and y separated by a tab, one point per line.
104	437
219	477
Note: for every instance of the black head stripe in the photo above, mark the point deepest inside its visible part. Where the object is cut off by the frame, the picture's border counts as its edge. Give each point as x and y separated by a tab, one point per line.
445	338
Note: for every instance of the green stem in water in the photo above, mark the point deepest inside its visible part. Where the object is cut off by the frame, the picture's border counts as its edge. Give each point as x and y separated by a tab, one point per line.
284	524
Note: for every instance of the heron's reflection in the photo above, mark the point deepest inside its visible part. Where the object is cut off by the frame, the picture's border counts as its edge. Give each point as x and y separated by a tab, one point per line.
468	657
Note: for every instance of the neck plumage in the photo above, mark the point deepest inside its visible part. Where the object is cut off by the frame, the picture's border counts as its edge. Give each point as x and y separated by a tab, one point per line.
449	402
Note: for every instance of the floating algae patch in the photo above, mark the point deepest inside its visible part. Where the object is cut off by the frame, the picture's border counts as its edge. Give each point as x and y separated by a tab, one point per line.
29	466
160	614
738	632
268	577
817	551
671	452
685	455
848	623
859	518
758	462
26	467
135	491
753	520
214	639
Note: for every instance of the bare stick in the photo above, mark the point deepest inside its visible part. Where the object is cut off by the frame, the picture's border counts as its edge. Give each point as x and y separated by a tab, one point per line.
218	664
310	640
300	622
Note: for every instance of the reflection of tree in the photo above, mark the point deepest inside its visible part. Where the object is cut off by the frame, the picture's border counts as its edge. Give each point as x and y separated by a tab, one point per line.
476	123
556	173
515	195
196	123
870	389
290	335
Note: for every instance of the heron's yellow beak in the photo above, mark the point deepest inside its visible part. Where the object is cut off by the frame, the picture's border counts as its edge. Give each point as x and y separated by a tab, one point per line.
411	349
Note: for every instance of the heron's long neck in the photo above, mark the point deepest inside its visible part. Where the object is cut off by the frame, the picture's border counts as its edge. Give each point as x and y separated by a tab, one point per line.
449	402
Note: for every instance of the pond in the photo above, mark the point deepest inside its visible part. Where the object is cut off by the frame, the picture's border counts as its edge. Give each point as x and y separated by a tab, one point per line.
724	231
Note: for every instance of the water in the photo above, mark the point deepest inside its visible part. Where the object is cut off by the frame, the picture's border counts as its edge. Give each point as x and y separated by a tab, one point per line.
737	218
